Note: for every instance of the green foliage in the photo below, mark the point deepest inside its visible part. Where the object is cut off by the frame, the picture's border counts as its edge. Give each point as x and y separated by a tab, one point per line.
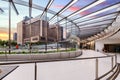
38	43
73	49
2	52
37	52
13	43
23	52
2	43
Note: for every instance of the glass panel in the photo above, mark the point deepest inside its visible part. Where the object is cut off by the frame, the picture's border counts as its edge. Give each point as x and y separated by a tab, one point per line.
49	15
102	5
99	23
23	11
36	13
95	16
97	20
58	5
106	12
22	72
80	4
80	20
62	22
76	17
26	0
42	3
4	21
54	20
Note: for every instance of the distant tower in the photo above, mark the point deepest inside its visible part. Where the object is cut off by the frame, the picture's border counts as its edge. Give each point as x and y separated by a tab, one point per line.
15	36
26	18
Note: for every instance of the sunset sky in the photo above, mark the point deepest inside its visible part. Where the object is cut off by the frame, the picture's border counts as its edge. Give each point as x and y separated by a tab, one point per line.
56	6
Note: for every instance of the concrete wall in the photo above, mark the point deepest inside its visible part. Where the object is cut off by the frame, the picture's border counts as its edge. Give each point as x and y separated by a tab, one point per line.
61	55
99	44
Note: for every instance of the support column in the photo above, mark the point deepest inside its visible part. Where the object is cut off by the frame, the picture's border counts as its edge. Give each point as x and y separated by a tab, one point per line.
9	27
46	36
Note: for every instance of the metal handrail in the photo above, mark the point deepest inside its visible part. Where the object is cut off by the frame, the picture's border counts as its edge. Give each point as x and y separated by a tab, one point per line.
106	73
51	60
115	74
56	60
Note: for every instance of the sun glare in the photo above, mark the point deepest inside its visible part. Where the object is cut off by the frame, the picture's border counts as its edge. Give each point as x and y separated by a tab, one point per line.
3	36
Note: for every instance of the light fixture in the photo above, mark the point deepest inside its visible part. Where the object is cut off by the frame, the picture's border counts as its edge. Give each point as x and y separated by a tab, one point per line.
99	35
86	8
96	36
102	33
106	30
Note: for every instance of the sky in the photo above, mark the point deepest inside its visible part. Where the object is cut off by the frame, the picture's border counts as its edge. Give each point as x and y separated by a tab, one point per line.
56	6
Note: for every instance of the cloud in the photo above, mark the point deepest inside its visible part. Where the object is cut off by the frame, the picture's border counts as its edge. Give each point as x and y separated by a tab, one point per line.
73	9
84	13
104	3
57	6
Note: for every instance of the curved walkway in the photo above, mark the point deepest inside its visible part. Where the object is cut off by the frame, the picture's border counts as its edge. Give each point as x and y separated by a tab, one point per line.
90	53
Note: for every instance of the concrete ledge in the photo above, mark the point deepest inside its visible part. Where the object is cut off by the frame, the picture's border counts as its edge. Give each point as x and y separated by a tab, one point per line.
60	55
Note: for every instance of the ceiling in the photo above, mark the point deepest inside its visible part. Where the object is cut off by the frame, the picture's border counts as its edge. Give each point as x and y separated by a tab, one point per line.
83	18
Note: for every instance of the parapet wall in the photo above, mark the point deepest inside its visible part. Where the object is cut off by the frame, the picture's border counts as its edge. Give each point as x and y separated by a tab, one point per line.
44	56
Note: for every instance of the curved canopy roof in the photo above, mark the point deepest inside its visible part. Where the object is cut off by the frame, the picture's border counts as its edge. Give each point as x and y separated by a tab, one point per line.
83	18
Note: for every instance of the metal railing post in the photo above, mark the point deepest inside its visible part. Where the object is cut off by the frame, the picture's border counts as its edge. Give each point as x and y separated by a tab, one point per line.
112	62
35	71
75	53
96	68
69	54
115	58
60	55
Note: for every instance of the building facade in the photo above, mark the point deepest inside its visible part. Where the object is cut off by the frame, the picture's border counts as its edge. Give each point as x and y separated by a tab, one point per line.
38	31
55	33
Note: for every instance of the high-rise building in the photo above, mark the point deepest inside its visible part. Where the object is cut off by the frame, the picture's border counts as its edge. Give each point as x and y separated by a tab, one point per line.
55	32
15	36
38	30
20	33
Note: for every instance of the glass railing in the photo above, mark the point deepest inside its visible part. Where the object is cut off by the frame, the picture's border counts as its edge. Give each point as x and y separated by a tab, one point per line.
88	68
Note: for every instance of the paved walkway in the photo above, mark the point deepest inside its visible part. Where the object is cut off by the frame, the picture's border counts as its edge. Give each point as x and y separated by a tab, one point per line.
91	53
